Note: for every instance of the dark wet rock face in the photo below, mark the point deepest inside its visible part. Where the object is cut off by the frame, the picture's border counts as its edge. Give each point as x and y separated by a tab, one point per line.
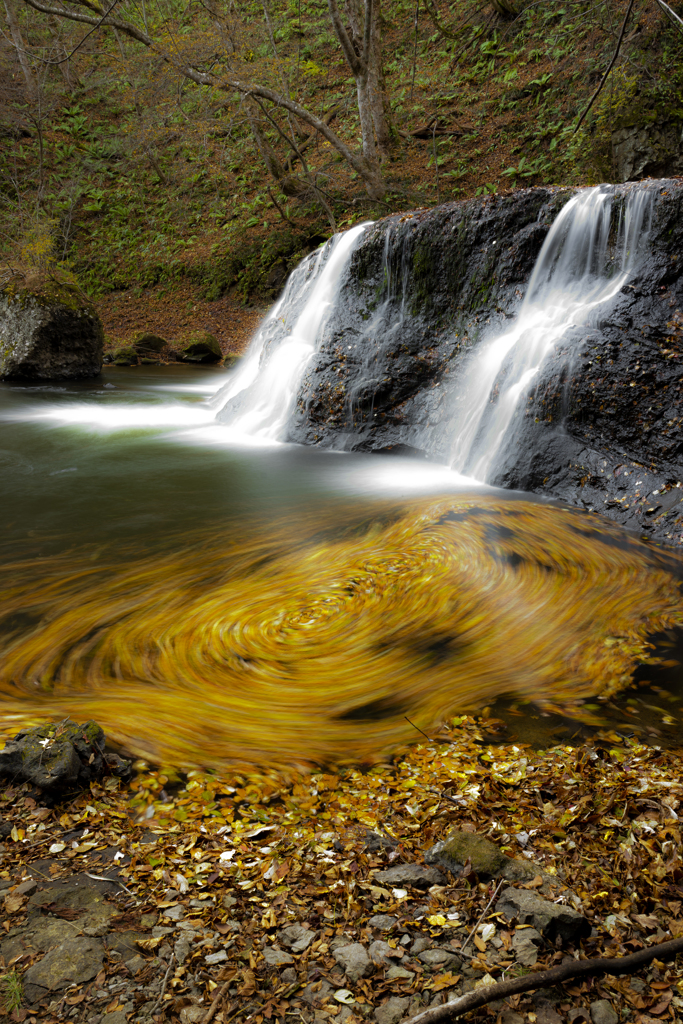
600	424
60	757
48	331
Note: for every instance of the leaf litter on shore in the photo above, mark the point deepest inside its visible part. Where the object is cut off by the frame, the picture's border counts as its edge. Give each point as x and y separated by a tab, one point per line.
230	860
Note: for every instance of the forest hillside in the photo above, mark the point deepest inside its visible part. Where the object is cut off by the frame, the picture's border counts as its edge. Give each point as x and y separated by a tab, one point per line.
201	147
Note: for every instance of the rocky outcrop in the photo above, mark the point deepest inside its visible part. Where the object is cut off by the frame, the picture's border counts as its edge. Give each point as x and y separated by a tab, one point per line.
60	757
601	425
48	331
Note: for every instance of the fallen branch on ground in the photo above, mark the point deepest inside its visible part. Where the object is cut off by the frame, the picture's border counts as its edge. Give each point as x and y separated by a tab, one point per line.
542	979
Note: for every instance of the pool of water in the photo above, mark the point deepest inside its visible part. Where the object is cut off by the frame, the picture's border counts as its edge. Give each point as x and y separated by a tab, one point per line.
209	598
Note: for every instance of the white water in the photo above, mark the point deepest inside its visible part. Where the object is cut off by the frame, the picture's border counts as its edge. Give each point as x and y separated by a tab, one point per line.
267	382
573	275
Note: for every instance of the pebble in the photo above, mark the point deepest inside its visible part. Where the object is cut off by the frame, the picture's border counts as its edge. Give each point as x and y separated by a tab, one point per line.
216	958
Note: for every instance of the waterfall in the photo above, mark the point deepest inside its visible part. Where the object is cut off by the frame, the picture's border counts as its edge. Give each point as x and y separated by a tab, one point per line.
576	271
258	399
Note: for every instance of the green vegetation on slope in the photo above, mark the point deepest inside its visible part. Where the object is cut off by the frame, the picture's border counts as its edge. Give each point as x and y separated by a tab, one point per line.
138	175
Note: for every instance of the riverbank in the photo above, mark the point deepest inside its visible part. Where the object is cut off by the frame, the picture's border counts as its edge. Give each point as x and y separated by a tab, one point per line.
264	895
174	313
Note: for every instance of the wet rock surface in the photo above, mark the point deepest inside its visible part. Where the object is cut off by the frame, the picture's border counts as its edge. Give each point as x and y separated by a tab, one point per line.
601	424
48	331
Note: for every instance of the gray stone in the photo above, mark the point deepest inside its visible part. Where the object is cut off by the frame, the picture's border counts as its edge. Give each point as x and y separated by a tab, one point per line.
317	993
275	957
115	1017
182	948
296	938
525	944
48	331
438	958
192	1014
355	961
510	1017
391	1012
73	962
399	974
547	1014
26	888
385	922
602	1012
221	955
415	875
420	944
550	919
135	964
176	913
125	943
382	953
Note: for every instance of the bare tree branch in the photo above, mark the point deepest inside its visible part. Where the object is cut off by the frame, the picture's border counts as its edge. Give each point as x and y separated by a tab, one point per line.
369	174
543	979
606	74
342	35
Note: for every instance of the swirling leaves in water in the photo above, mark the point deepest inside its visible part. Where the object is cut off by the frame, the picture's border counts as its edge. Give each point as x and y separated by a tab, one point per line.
285	650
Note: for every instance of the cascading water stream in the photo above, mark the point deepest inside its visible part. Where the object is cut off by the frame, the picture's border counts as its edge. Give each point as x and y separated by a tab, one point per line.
573	276
258	399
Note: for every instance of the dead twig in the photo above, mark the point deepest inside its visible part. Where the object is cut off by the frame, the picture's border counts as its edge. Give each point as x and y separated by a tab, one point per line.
217	1000
544	979
163	986
483	914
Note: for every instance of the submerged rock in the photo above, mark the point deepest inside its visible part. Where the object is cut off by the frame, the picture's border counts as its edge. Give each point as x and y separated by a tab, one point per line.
60	757
48	331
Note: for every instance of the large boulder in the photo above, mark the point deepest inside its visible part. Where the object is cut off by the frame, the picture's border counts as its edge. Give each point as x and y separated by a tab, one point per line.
48	331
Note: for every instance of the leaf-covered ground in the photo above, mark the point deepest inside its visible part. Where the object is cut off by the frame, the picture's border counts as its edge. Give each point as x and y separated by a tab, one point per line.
215	866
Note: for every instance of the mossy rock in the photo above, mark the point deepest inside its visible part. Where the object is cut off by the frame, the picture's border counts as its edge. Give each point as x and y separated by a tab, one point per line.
201	347
486	859
231	359
144	342
126	356
49	330
58	757
149	361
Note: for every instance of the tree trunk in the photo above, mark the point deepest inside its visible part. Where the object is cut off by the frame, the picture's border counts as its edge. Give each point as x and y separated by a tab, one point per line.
17	39
376	86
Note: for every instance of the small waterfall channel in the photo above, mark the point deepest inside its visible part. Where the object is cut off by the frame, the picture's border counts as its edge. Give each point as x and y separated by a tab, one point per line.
258	399
585	260
575	273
